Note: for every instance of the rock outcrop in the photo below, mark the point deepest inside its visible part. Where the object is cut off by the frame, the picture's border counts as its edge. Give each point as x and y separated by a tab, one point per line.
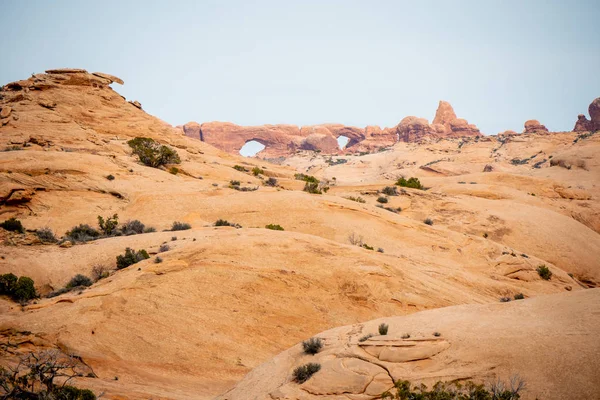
534	126
585	125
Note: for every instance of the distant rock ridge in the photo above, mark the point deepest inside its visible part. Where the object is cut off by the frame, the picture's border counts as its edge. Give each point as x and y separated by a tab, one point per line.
284	140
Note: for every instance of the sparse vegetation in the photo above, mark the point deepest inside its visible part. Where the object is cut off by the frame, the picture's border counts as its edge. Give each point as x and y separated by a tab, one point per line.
100	271
158	260
46	235
134	227
131	257
304	372
366	337
390	191
544	272
505	299
390	209
312	187
312	345
180	226
356	199
271	182
20	289
82	233
410	183
382	200
174	170
428	221
383	329
13	225
79	280
110	177
437	334
274	227
306	178
164	247
223	222
240	168
152	153
108	226
456	391
366	246
519	296
355	240
406	336
257	171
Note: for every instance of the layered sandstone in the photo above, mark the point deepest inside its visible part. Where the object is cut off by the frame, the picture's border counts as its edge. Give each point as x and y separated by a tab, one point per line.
585	125
534	126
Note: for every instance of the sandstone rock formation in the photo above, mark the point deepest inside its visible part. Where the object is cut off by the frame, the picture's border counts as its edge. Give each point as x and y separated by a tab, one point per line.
534	126
583	124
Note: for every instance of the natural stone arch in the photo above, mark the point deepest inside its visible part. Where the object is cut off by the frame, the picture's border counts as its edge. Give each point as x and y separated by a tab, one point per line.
252	147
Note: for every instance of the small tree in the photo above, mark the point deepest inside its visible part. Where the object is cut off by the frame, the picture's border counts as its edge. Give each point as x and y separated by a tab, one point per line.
131	257
410	183
383	329
544	272
152	153
24	289
108	226
13	225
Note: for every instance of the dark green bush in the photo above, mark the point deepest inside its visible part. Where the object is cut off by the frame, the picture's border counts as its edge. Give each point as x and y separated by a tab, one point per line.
174	170
274	227
234	183
131	257
82	233
383	329
158	260
110	177
382	200
312	187
519	296
46	235
79	280
133	227
306	178
304	372
13	225
356	199
24	289
223	222
240	168
152	153
428	221
7	284
312	345
180	226
366	246
456	391
544	272
271	182
390	191
410	183
108	226
72	393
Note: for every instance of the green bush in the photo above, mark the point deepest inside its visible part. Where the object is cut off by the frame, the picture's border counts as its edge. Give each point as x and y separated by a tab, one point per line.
390	191
366	246
133	227
410	183
257	171
108	226
82	233
356	199
456	391
519	296
46	235
306	178
544	272
382	200
383	329
312	187
13	225
110	177
428	221
79	280
240	168
223	222
312	345
274	227
72	393
24	289
7	284
304	372
180	226
152	153
131	257
234	183
174	170
271	182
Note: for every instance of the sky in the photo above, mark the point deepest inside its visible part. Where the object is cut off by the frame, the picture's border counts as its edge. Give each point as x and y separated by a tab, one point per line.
359	63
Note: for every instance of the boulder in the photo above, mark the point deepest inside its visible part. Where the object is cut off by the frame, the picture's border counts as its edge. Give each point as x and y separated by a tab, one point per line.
583	124
109	77
192	129
5	113
534	126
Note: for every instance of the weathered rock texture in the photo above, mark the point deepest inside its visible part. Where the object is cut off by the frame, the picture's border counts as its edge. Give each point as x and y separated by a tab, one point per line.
284	140
534	126
583	124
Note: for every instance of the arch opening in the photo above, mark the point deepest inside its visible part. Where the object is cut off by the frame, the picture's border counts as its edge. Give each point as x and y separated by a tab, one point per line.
251	148
342	141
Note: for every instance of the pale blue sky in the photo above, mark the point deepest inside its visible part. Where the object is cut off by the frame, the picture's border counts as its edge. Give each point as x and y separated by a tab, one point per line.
306	62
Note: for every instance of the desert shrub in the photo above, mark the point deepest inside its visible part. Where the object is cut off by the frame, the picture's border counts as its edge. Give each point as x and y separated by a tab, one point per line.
356	199
366	246
13	148
24	289
390	191
79	280
149	229
100	271
304	372
488	168
406	336
380	250
132	227
519	296
173	238
410	183
7	284
382	200
180	226
544	272
383	329
131	257
485	235
158	260
13	225
312	187
34	377
240	168
164	247
390	209
174	170
82	233
561	163
274	227
504	299
234	183
455	390
152	153
46	235
271	182
257	171
355	240
366	337
110	177
428	221
223	222
312	345
108	226
306	178
437	334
